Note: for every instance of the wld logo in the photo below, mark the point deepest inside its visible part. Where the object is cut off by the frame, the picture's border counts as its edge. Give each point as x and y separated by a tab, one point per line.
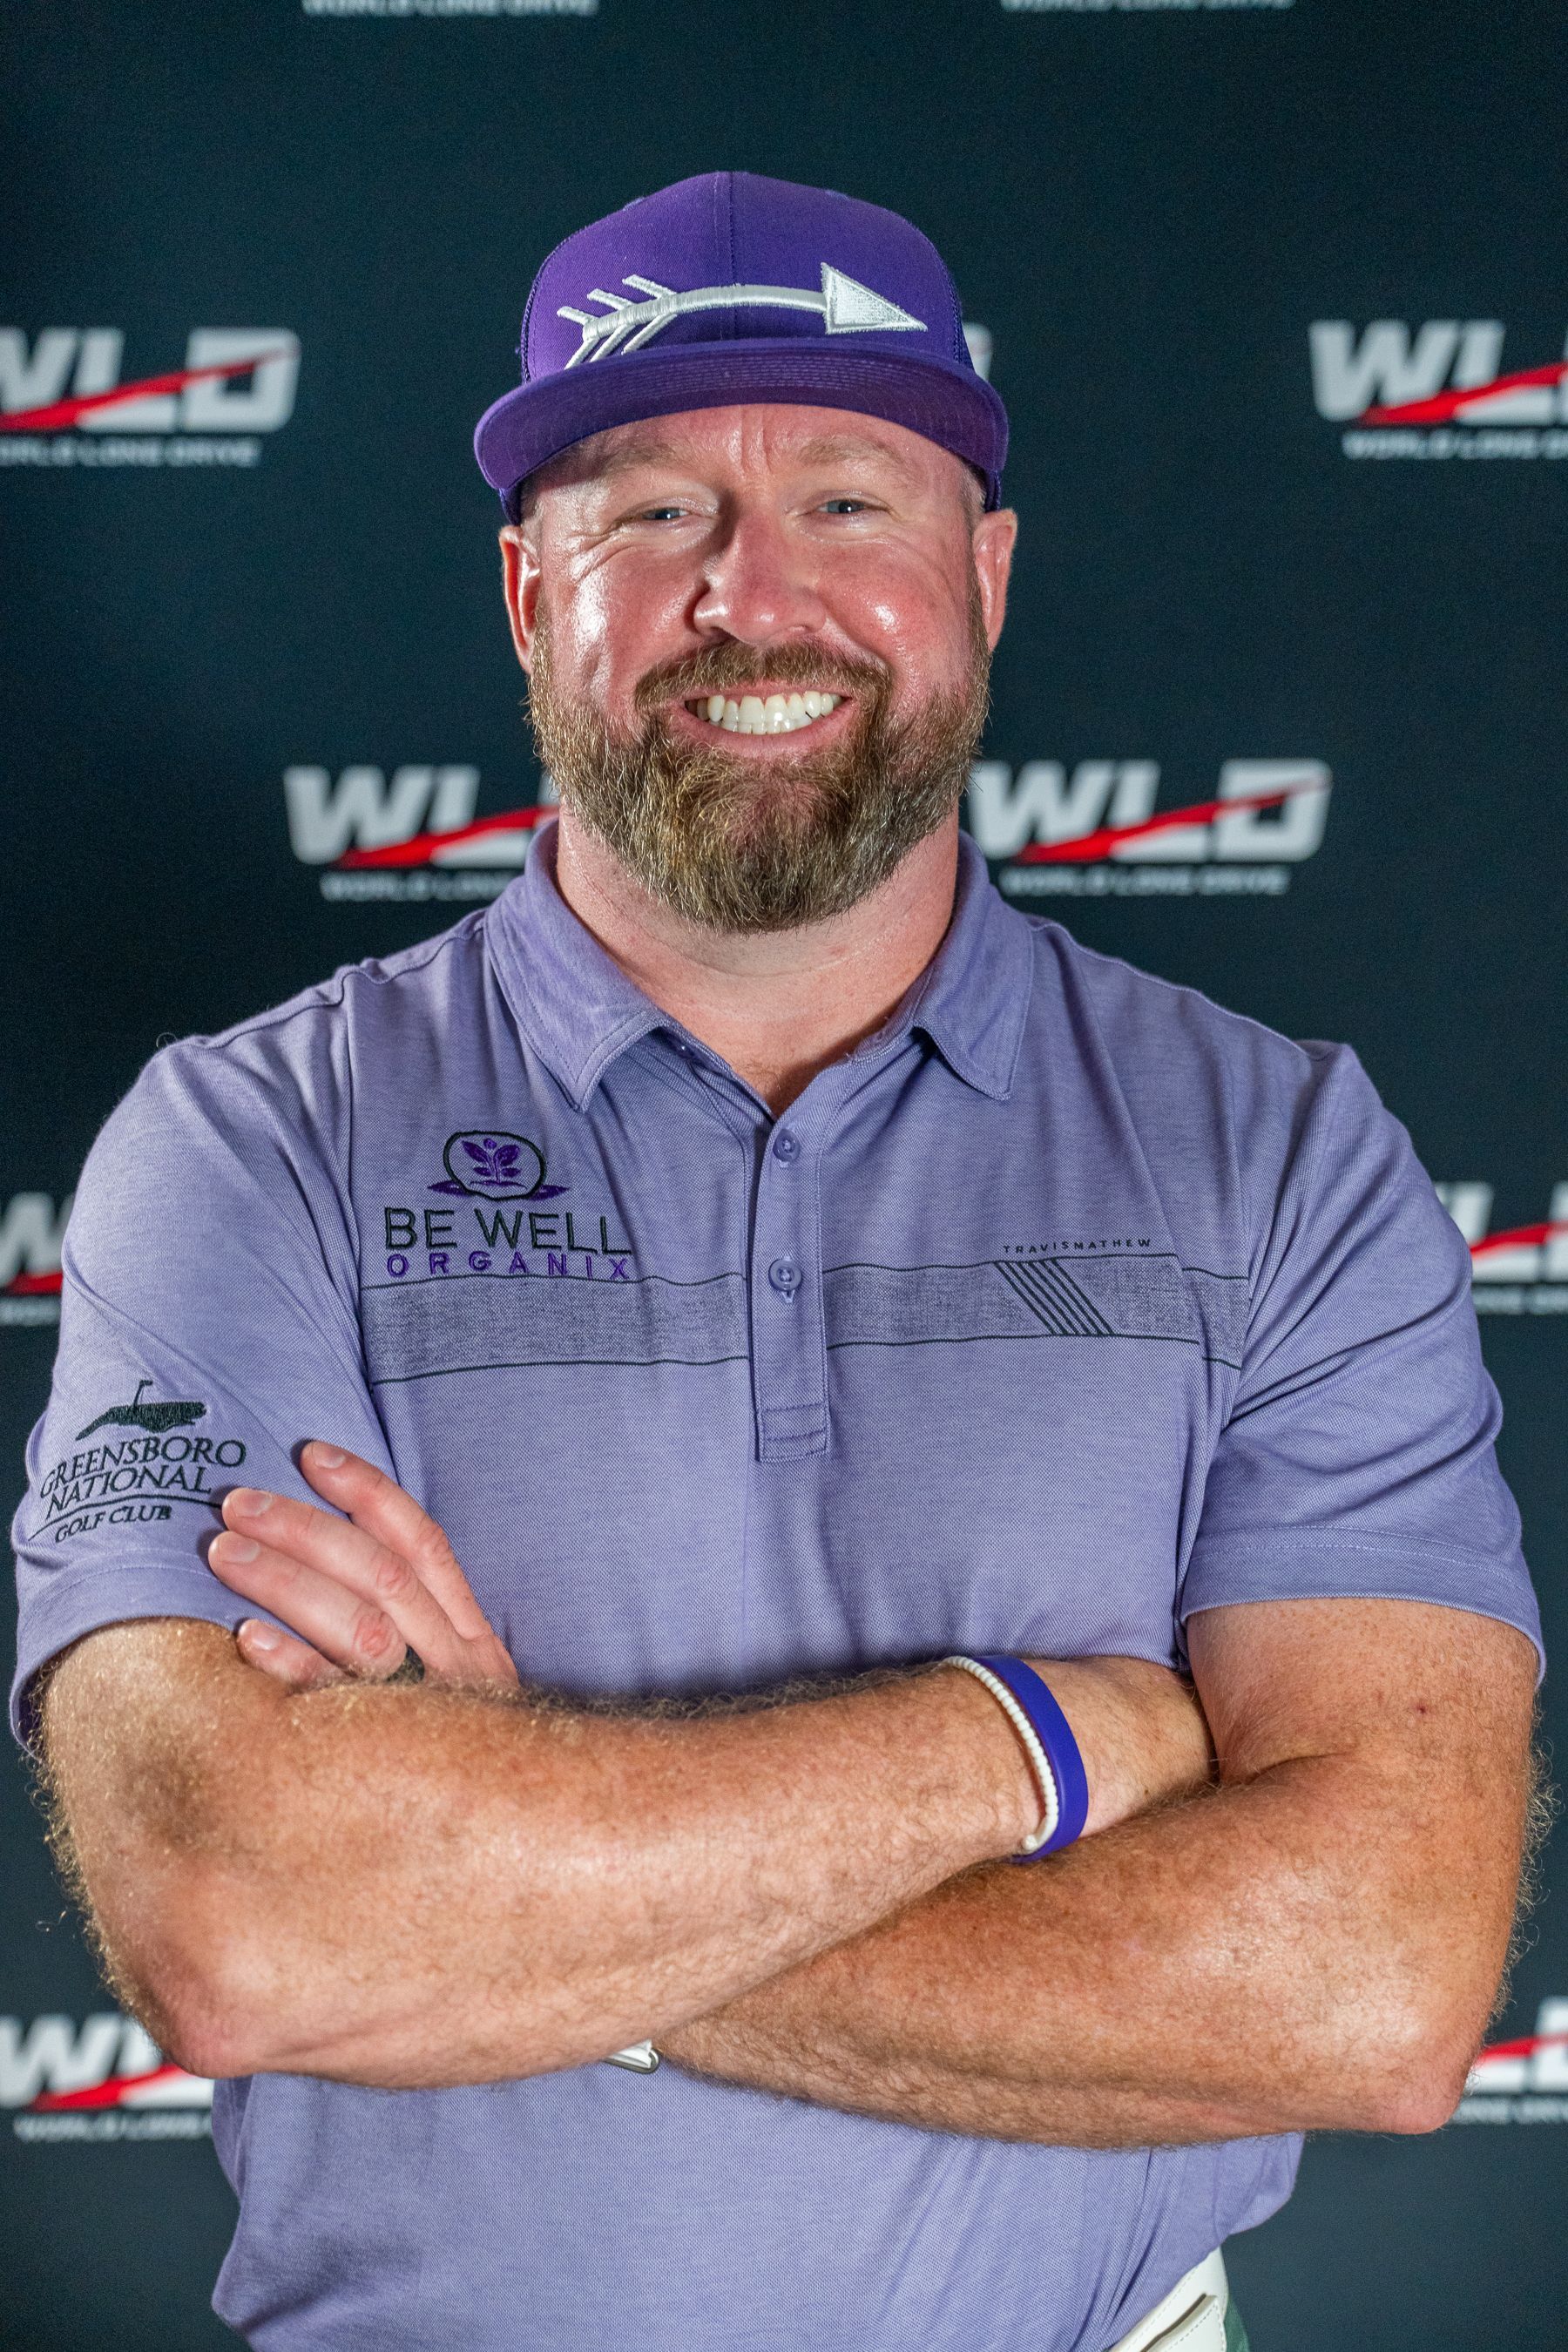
1438	390
408	835
1524	2081
1093	830
1521	1270
62	401
103	2079
31	1233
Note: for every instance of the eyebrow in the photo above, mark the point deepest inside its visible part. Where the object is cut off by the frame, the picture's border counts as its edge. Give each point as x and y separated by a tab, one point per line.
823	449
630	454
835	449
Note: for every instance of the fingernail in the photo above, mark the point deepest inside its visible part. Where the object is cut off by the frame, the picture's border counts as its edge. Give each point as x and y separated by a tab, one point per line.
258	1636
238	1548
251	1500
330	1457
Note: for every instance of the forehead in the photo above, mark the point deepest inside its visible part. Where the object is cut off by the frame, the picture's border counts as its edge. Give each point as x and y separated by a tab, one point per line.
754	440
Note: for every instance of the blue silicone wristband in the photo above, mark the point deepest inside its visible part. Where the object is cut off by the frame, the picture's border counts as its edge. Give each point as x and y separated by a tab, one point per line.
1054	1733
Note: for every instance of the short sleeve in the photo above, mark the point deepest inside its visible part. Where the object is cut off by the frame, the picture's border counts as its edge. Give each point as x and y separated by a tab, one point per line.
208	1327
1358	1456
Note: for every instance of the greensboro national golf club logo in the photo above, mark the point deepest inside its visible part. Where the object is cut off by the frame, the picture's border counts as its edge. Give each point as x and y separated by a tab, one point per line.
1096	829
130	1479
63	402
1436	389
153	1417
103	2079
406	834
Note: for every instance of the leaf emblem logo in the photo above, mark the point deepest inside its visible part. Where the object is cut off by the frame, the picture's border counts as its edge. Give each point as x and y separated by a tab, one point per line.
495	1166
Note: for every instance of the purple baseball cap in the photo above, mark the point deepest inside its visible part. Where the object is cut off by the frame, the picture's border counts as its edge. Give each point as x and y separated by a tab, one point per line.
732	288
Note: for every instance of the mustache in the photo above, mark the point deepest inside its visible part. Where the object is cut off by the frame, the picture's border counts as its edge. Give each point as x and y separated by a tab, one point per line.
734	668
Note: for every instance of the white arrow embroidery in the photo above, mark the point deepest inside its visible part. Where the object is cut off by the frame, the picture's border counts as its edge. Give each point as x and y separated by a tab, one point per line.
848	308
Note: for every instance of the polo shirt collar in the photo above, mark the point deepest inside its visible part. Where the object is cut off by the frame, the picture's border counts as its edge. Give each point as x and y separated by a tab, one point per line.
579	1010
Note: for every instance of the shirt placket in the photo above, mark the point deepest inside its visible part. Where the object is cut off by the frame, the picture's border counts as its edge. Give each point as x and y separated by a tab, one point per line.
789	1335
789	1361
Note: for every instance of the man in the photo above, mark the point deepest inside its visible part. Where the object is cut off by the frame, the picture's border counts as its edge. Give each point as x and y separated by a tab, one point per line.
771	1268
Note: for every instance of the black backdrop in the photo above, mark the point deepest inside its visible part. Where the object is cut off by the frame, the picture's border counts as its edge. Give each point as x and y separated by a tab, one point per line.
1204	240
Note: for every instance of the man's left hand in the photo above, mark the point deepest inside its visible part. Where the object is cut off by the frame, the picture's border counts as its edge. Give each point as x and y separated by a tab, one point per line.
362	1585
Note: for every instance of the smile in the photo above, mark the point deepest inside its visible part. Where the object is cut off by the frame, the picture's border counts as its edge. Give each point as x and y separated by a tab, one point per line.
752	714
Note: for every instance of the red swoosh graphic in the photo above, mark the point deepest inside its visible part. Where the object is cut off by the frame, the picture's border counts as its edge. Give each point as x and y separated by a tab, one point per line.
1446	404
105	2094
1088	848
422	848
34	1286
1525	2047
1517	1237
58	414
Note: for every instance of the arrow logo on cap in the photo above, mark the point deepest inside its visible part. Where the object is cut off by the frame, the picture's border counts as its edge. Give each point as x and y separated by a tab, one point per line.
846	308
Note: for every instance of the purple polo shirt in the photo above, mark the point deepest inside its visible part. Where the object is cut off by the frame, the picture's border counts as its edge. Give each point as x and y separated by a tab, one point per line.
1067	1305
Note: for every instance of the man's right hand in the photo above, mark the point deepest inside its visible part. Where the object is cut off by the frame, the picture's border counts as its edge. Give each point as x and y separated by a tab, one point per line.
1140	1730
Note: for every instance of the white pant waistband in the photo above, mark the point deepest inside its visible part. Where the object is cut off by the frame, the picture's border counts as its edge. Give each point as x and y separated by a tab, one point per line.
1190	2316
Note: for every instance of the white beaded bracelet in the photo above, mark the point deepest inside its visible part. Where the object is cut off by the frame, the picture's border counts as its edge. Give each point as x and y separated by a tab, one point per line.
1040	1763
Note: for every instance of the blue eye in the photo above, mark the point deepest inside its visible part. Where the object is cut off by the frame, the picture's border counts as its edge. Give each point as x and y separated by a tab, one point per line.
845	506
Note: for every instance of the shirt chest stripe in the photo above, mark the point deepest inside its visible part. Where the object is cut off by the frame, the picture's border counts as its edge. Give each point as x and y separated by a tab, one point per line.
476	1323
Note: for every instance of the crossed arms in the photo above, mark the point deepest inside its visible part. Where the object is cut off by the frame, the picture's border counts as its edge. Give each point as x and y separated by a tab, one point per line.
461	1882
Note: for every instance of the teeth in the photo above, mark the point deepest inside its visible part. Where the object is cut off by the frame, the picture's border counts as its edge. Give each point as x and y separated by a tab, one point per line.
780	714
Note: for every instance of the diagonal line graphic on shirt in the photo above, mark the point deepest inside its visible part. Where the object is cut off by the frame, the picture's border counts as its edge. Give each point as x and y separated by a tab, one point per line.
1053	1299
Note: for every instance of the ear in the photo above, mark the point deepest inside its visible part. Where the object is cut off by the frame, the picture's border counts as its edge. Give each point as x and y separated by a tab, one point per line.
995	536
520	575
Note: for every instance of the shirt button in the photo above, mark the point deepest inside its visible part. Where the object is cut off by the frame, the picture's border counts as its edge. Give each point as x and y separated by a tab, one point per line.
786	1144
785	1277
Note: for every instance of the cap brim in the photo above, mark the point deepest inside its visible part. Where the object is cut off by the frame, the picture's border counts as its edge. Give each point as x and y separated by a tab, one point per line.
946	402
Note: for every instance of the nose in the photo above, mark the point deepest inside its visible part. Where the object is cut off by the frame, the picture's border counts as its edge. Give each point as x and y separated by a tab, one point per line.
759	583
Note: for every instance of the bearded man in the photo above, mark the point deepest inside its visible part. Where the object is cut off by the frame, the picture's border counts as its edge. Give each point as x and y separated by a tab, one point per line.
757	1374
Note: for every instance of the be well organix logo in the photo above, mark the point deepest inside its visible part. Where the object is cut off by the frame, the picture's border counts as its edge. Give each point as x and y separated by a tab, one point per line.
494	1168
63	402
1435	389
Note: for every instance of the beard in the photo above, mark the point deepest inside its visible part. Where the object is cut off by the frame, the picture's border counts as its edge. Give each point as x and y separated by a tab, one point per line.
741	845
